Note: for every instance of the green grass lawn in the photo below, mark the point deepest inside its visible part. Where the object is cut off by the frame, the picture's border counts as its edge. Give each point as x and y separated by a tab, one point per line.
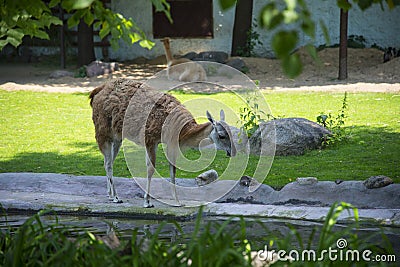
51	132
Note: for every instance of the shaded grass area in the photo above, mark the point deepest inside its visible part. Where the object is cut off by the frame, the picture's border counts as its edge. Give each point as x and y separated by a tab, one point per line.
48	132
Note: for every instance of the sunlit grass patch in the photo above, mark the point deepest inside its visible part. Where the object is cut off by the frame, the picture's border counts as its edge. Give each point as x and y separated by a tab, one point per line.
50	132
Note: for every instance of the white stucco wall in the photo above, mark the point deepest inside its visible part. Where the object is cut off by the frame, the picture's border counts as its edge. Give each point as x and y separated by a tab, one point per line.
141	12
376	26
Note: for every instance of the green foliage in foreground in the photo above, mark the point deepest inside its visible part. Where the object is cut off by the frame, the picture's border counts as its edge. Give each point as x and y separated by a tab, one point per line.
211	244
49	132
32	17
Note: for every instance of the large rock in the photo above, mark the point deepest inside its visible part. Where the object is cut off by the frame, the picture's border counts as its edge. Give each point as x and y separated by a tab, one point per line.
377	182
238	64
191	55
214	56
100	68
290	136
206	177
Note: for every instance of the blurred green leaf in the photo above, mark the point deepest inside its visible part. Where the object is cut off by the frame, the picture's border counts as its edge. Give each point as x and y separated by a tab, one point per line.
105	30
390	4
290	16
42	35
226	4
292	65
344	4
284	42
3	43
16	33
76	4
53	3
146	44
13	41
308	26
162	6
76	18
312	51
135	37
270	16
47	20
89	18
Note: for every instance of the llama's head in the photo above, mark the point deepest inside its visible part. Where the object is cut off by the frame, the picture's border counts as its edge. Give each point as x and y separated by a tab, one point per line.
221	134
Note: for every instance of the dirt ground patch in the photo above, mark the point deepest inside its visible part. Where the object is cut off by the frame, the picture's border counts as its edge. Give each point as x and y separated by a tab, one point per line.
366	69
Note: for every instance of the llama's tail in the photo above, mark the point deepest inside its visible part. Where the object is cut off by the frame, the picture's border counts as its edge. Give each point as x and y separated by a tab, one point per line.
95	92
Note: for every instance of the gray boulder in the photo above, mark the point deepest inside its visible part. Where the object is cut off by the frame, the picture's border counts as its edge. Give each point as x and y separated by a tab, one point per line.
377	181
214	56
238	64
289	136
100	68
191	55
206	177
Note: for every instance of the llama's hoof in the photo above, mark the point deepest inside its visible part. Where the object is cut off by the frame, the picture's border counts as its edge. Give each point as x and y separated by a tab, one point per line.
148	205
115	200
177	204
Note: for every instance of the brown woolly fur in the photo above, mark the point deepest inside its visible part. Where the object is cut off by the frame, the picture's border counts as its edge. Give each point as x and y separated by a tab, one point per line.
129	109
109	103
146	115
94	92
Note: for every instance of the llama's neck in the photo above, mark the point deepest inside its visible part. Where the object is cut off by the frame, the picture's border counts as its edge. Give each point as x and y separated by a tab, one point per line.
194	133
167	50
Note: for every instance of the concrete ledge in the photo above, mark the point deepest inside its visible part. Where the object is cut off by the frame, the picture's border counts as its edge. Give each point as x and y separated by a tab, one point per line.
86	195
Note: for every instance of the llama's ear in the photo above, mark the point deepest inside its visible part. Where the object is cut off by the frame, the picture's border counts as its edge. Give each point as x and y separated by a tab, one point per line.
210	118
222	115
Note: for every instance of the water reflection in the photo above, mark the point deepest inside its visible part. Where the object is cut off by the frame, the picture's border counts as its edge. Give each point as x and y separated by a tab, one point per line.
258	231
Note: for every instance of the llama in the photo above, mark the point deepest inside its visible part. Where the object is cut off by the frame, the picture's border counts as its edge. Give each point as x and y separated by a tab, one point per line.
151	118
182	69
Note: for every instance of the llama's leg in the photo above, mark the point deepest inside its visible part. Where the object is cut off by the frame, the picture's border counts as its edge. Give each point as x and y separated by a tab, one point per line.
107	150
172	155
116	145
151	163
172	174
185	76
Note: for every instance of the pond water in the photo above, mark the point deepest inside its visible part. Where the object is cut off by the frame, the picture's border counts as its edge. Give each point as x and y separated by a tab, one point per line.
258	231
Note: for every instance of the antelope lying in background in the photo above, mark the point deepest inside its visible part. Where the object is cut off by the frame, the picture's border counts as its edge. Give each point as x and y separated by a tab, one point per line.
151	118
182	69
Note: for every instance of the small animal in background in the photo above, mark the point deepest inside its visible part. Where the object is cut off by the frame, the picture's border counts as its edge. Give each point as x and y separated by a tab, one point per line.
390	53
182	69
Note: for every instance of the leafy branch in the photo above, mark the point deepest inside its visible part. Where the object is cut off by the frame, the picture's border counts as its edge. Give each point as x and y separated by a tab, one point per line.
31	17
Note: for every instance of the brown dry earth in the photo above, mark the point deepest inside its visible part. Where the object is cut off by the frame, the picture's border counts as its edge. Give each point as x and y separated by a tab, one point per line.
366	73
